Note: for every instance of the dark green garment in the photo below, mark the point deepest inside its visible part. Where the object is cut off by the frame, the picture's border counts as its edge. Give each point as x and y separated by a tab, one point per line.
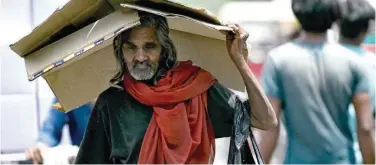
118	124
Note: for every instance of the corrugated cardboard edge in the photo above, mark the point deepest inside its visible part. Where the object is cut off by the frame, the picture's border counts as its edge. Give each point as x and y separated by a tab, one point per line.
165	14
80	51
83	9
174	3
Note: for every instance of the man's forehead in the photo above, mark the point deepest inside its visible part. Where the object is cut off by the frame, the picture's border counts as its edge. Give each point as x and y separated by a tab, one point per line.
143	33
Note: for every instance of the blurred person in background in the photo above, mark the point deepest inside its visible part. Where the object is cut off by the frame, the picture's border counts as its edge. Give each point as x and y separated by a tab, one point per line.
50	134
356	17
314	82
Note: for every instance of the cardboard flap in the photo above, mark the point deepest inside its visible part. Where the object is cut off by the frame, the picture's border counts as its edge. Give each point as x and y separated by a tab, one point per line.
77	43
71	17
174	7
176	22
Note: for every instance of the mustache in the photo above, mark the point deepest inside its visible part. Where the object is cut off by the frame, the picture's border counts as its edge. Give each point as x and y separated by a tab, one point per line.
146	62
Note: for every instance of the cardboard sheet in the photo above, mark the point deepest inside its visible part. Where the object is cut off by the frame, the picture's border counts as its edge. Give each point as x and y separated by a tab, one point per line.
78	67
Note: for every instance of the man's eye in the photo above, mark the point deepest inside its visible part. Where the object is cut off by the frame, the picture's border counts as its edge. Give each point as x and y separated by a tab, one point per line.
129	47
150	46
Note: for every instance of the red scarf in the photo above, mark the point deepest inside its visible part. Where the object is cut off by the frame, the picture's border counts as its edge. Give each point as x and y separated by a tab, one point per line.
179	131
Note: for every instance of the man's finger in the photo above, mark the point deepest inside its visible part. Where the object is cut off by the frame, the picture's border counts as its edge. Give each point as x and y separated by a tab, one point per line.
236	29
38	156
244	36
240	28
32	156
243	33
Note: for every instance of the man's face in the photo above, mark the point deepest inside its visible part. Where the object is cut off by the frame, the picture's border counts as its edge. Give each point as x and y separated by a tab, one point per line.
142	52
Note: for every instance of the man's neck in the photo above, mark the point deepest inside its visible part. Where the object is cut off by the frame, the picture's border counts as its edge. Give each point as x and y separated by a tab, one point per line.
353	42
312	37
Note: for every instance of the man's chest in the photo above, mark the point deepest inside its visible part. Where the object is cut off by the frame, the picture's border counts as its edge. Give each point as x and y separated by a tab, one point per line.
127	126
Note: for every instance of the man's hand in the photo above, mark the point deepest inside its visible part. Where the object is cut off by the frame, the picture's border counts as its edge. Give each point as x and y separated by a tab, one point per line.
236	43
35	153
262	111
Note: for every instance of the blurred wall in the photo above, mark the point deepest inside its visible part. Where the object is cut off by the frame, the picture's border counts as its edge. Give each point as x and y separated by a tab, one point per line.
23	103
18	106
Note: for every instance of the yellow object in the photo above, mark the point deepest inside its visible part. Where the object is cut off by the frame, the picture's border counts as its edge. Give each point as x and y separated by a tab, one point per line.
58	107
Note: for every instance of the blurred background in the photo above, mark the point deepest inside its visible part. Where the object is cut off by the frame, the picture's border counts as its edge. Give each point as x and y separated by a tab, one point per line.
25	104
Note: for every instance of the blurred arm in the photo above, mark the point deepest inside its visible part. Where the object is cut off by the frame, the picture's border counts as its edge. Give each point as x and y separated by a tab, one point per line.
52	128
49	135
365	127
270	137
272	85
362	104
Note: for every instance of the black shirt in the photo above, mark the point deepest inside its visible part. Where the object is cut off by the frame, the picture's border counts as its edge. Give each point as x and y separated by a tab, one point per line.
118	124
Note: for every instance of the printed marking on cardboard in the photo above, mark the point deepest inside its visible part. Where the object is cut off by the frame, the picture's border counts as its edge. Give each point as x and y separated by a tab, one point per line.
38	73
100	41
79	52
57	63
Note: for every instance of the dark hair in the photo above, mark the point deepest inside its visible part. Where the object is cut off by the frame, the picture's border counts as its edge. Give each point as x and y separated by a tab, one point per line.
315	15
168	55
355	18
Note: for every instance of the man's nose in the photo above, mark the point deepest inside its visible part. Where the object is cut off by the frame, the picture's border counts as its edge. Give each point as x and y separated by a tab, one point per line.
141	56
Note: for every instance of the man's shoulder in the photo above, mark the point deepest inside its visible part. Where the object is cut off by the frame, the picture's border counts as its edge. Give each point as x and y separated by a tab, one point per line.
343	55
220	92
370	54
218	89
284	49
285	52
112	93
342	49
371	57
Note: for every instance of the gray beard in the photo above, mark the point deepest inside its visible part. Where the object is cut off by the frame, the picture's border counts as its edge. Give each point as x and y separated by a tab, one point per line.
143	75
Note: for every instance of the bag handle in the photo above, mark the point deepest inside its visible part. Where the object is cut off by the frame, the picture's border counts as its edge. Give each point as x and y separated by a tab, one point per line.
251	139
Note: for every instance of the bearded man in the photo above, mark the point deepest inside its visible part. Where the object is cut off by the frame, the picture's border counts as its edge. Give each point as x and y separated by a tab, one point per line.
162	111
